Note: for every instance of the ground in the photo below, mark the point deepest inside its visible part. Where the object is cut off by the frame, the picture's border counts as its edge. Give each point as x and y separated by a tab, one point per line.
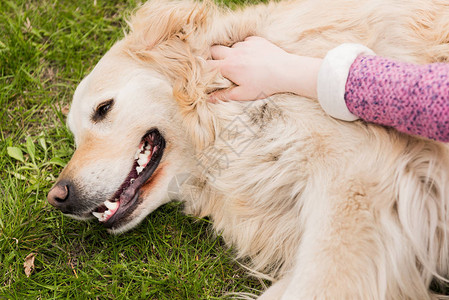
46	48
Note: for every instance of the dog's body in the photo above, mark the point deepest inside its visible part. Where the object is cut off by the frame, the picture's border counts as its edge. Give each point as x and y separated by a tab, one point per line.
333	210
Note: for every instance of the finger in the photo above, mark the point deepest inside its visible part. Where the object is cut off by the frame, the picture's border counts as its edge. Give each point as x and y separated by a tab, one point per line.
213	64
237	94
216	97
211	99
252	37
234	94
238	44
245	41
241	93
219	51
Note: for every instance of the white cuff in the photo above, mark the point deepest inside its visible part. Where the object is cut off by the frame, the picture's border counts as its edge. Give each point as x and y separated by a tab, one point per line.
332	79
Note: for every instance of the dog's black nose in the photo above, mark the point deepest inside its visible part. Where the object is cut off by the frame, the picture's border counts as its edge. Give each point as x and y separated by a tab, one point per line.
59	194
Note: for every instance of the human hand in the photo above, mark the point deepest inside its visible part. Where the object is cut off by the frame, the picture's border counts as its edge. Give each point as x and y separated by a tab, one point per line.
253	65
260	69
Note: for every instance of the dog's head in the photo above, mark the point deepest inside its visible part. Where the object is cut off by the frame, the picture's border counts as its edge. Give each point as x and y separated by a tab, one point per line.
136	119
129	141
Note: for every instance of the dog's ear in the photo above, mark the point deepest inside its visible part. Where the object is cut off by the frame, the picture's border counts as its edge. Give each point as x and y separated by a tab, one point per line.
158	21
169	36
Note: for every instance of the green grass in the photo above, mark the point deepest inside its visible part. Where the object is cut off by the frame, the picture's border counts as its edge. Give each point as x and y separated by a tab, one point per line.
46	47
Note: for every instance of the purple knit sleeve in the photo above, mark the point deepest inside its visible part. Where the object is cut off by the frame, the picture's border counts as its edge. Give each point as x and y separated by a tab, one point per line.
411	98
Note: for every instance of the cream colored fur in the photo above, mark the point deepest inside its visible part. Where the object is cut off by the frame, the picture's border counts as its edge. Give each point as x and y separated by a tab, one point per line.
334	210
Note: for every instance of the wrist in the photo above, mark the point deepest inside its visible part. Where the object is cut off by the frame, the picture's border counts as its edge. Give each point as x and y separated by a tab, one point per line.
301	75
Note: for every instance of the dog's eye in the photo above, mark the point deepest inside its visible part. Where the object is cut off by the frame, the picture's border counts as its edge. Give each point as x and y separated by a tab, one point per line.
102	110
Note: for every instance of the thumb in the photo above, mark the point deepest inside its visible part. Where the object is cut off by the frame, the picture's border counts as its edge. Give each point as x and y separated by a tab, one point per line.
233	94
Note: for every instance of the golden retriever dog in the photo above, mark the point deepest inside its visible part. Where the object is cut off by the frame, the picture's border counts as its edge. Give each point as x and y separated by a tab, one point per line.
328	209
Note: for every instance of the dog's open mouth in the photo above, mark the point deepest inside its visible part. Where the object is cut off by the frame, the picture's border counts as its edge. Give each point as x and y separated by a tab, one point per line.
146	161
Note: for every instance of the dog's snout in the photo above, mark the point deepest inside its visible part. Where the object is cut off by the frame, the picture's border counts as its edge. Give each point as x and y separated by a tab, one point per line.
59	194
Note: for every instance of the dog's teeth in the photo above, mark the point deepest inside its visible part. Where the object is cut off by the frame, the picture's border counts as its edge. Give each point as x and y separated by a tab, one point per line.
139	169
136	156
111	205
98	215
142	159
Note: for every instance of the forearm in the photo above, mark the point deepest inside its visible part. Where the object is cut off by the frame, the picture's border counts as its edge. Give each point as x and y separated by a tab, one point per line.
353	83
411	98
299	75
